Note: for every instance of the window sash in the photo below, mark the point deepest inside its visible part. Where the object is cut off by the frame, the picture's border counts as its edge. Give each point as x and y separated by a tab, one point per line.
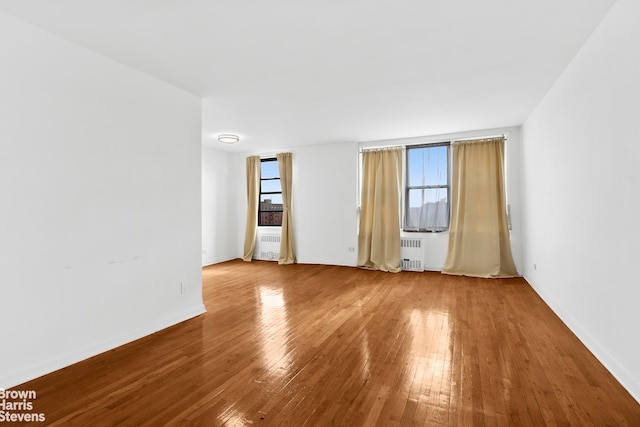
437	222
263	193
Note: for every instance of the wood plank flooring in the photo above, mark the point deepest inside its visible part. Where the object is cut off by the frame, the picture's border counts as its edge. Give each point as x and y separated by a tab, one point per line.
324	345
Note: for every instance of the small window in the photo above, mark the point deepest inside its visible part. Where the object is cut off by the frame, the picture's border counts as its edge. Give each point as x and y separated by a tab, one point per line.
270	209
427	188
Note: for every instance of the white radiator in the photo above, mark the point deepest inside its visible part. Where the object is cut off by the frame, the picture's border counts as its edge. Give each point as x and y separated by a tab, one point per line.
412	254
267	247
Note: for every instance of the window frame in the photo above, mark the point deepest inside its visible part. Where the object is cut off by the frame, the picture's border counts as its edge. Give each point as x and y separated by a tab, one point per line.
260	193
407	187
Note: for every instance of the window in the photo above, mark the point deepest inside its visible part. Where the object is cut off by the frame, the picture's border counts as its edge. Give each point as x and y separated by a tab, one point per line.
427	188
270	208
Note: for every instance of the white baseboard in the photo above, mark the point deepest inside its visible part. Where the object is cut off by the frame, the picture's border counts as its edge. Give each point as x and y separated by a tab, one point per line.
326	262
29	373
618	371
210	261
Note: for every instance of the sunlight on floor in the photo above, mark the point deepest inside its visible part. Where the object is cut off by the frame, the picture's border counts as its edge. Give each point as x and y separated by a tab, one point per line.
275	331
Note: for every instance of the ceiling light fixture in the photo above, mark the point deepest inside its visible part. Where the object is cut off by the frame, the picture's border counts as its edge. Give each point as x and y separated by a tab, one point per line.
228	138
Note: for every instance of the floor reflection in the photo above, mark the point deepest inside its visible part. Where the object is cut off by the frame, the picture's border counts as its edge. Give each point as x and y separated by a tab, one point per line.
274	331
233	418
366	356
430	350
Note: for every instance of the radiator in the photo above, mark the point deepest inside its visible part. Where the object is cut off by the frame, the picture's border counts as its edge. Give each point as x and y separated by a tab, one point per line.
411	254
267	247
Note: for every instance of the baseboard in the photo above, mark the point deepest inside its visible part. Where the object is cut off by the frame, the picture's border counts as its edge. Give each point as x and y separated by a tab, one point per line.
325	262
619	372
13	379
212	261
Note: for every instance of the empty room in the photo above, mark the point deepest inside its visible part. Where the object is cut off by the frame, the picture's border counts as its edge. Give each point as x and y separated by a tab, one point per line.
333	213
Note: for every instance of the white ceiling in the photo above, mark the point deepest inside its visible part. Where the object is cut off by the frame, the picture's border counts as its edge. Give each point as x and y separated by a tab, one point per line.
286	73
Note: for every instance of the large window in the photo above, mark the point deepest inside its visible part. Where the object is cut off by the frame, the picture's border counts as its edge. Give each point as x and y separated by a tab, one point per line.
427	188
270	209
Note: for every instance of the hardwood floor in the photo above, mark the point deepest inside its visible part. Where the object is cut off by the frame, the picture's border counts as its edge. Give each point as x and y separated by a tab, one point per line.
324	345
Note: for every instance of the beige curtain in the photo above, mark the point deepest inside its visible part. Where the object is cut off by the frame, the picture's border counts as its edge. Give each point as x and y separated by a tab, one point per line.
379	233
253	192
478	237
287	254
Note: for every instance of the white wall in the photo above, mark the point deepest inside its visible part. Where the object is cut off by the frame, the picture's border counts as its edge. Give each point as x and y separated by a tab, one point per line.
219	207
326	204
100	189
581	184
326	199
436	244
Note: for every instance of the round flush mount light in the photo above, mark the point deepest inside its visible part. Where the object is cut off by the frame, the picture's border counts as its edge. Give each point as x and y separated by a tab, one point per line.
228	138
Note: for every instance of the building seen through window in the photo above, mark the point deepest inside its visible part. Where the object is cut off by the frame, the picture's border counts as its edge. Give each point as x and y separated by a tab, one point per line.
270	213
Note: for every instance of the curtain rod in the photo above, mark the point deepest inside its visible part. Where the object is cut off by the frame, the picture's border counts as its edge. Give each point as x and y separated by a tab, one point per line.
479	138
391	147
504	135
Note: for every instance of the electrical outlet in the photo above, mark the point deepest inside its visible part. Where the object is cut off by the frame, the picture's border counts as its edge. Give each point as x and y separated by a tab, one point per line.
183	288
535	267
352	249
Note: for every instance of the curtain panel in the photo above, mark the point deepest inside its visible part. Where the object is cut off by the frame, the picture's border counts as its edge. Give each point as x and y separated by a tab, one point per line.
285	167
479	242
253	193
379	231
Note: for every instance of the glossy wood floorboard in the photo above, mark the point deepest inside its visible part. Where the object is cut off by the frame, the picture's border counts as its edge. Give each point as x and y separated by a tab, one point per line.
323	345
